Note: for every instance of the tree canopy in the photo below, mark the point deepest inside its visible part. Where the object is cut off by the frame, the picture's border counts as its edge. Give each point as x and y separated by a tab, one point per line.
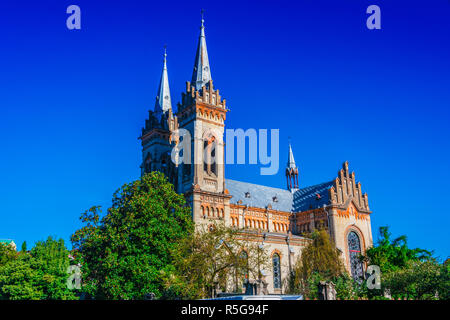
405	272
129	252
39	274
219	257
7	253
319	261
393	254
320	256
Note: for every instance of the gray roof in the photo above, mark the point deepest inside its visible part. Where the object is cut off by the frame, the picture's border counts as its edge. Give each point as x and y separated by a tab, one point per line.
261	196
306	198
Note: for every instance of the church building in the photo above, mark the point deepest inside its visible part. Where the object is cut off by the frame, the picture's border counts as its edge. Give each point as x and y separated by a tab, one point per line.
278	218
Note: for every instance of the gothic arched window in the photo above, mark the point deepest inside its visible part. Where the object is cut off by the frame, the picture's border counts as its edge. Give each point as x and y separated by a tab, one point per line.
209	155
276	271
354	248
205	154
213	156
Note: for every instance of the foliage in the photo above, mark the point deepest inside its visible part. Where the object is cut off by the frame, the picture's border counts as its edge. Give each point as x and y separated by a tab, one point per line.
349	289
418	280
444	281
130	252
20	281
7	254
322	262
406	273
393	255
319	261
40	274
219	256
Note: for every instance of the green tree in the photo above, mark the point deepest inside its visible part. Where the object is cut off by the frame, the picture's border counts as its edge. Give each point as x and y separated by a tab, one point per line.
347	288
51	259
40	274
319	261
217	256
444	281
20	281
405	272
7	253
24	247
394	254
417	280
130	251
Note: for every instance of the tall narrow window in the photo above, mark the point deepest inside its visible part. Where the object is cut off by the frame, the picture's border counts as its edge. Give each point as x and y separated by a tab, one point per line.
205	155
209	156
276	271
354	248
213	156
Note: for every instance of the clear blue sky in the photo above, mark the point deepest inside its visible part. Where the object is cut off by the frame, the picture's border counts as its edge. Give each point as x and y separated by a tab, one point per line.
72	103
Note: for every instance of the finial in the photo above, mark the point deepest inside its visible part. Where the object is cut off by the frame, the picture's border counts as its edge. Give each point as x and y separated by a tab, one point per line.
203	20
165	56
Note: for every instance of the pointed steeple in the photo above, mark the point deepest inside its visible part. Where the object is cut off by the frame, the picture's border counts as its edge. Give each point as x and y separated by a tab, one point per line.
291	161
163	102
291	172
202	73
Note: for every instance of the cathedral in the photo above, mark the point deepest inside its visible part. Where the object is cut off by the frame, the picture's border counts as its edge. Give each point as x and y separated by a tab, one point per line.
277	218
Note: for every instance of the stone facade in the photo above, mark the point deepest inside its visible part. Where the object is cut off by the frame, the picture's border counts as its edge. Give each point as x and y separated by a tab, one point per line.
278	219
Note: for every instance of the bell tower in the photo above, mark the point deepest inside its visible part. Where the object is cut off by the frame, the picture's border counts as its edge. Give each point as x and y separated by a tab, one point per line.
202	112
156	134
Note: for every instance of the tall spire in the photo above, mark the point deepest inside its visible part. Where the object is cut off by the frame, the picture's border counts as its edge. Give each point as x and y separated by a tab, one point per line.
291	161
163	102
291	172
202	72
